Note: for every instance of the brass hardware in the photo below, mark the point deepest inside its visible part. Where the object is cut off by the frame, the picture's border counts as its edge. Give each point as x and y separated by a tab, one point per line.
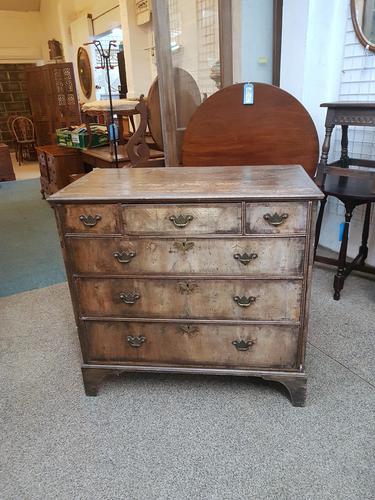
181	221
244	301
243	345
187	287
184	246
90	220
245	258
189	330
124	257
136	341
129	297
275	219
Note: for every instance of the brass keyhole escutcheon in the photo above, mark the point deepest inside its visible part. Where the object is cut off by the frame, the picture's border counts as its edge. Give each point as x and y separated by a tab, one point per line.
187	287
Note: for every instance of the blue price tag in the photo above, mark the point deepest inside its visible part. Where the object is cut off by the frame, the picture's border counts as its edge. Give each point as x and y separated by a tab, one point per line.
248	93
113	132
341	230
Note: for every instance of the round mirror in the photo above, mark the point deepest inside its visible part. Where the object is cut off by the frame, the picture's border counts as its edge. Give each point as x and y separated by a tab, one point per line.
363	17
84	72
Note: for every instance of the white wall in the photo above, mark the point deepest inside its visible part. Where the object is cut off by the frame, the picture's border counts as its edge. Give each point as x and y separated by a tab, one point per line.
137	59
311	53
322	61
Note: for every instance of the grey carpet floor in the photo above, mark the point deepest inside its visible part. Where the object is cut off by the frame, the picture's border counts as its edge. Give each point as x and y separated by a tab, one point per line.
186	437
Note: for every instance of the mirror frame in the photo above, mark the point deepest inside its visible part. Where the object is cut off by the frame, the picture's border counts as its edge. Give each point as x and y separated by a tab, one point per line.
85	80
357	28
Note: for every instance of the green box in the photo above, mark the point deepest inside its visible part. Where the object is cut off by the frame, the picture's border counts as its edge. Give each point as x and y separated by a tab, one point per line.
80	140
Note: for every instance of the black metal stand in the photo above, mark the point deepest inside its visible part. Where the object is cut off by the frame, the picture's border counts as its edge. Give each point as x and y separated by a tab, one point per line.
105	55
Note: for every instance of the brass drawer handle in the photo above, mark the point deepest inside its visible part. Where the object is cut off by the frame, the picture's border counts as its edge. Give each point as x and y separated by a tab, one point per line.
90	220
136	341
129	297
245	258
244	301
275	219
124	257
243	345
181	221
188	330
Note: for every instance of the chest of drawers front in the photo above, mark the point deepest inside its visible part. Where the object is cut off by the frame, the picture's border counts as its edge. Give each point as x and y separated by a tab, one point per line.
196	287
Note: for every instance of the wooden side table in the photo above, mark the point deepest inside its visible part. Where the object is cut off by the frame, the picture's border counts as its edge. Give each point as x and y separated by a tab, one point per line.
351	186
6	166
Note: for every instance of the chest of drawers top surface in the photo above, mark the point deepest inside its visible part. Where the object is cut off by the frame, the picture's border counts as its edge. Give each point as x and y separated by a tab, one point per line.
246	183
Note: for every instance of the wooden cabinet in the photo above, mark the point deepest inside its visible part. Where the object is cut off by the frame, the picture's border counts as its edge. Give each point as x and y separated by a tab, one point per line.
6	166
53	99
191	270
56	163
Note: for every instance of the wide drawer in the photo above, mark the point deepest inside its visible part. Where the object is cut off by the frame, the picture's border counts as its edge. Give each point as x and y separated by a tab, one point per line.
274	300
265	346
276	218
94	219
229	256
182	219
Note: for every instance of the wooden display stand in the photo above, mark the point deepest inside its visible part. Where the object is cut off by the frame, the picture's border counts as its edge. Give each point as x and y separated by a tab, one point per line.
6	166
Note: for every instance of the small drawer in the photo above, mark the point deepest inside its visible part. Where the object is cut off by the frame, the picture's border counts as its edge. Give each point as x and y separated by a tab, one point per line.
185	343
276	218
267	300
263	257
95	219
220	218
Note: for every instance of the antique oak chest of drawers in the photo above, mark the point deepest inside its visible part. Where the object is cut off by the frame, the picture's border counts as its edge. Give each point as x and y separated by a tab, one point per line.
191	270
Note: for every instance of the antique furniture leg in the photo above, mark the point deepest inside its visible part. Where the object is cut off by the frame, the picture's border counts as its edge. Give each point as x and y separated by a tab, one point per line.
296	387
319	223
324	156
341	275
363	249
93	377
344	159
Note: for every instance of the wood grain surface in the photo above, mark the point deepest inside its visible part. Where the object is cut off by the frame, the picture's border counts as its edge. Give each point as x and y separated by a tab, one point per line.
195	344
273	256
272	182
276	129
202	218
191	298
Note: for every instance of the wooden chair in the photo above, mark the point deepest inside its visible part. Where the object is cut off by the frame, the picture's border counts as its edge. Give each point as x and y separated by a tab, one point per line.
275	130
352	187
24	133
188	99
10	120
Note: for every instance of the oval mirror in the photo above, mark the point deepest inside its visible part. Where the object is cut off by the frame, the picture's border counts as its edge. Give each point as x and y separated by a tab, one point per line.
363	18
84	72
